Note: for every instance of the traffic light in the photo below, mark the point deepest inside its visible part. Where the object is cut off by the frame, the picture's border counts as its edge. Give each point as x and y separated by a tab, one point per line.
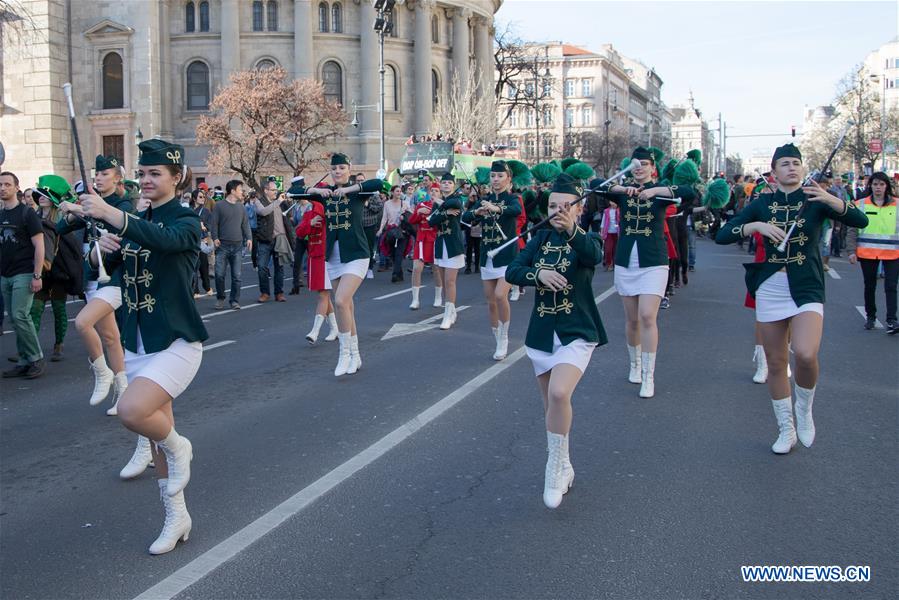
793	130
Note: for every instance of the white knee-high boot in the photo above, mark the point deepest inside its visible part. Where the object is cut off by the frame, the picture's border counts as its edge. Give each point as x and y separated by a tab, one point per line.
559	475
140	460
120	384
805	426
761	365
103	380
648	369
312	336
332	323
354	355
502	340
178	454
449	315
344	359
438	297
416	304
177	521
635	375
783	411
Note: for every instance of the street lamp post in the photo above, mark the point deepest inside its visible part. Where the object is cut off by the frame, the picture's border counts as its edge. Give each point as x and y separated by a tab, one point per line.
883	117
383	25
541	95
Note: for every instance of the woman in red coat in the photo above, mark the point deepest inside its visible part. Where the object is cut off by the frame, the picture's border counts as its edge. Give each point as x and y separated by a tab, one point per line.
423	253
314	228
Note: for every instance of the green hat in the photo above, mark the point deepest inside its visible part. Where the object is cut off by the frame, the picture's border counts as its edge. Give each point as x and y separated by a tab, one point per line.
160	152
567	162
482	175
786	151
566	184
500	166
641	153
521	174
131	184
101	163
339	158
53	187
695	155
448	177
579	170
657	154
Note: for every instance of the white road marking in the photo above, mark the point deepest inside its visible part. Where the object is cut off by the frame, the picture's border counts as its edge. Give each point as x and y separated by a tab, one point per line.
833	273
391	295
861	311
401	329
217	345
229	310
224	551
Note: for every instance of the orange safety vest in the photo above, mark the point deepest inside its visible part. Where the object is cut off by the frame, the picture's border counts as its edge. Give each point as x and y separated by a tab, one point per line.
880	239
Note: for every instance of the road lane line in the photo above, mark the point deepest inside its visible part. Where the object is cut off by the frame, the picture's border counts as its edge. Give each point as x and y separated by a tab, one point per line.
217	345
403	291
224	551
833	273
229	310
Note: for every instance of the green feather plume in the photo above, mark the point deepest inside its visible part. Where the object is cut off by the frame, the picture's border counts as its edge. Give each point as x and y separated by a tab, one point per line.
657	154
521	174
717	194
567	162
696	156
685	173
482	175
667	173
545	172
624	163
580	170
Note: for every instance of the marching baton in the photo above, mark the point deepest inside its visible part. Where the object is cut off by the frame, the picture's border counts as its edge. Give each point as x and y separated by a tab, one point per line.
816	177
633	164
92	224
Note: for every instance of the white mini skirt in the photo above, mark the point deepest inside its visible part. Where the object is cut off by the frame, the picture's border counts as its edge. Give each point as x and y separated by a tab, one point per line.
488	271
774	303
636	281
453	262
577	353
336	269
172	369
111	294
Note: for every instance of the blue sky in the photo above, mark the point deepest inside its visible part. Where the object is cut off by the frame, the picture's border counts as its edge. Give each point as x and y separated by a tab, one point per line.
758	63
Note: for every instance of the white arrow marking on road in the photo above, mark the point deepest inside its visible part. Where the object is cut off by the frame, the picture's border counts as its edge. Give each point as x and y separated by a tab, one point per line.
217	345
861	311
391	295
401	329
833	273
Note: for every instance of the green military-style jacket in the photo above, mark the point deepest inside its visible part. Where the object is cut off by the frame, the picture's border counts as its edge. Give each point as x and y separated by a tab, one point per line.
158	260
448	231
570	313
90	273
802	256
494	226
643	224
344	218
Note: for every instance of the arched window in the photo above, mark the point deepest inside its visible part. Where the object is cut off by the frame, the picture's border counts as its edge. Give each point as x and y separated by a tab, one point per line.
394	32
257	15
337	18
197	86
190	17
264	64
390	91
323	17
204	16
435	29
435	89
113	81
272	15
332	79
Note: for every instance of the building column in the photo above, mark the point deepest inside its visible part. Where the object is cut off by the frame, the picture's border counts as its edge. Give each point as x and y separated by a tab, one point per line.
230	39
461	43
422	68
166	81
483	50
303	30
369	86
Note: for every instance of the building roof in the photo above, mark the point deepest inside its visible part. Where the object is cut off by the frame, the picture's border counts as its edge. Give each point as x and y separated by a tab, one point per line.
569	50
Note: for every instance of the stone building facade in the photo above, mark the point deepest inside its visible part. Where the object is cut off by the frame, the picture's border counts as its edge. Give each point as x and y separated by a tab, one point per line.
152	66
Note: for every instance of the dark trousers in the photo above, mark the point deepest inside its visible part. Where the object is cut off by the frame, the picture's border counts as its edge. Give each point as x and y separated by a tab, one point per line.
472	252
254	253
398	252
891	275
682	243
266	253
298	252
371	236
203	269
228	256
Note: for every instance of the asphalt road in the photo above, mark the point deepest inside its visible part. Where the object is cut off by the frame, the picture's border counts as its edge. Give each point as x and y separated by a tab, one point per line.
421	476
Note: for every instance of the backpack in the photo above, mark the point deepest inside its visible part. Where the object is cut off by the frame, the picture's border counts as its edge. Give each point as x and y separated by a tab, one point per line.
51	245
